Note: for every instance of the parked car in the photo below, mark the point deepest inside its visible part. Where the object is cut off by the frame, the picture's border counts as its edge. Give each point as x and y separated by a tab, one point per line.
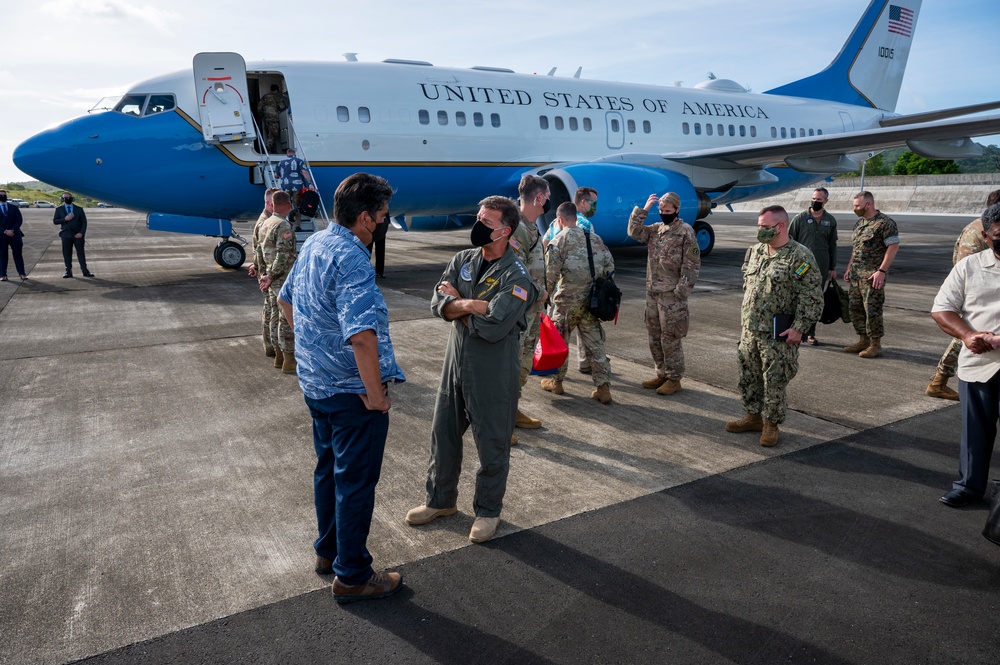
44	204
105	205
20	203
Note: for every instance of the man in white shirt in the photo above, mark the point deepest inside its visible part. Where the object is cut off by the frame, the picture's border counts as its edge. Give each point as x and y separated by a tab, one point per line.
968	307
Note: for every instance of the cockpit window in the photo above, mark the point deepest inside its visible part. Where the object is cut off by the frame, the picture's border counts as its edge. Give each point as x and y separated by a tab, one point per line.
131	105
159	104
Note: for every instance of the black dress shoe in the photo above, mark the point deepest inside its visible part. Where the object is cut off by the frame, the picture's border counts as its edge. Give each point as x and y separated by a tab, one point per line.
88	274
958	498
68	274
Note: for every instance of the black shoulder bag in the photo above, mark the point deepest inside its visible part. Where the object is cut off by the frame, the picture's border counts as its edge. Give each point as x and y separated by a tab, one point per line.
605	298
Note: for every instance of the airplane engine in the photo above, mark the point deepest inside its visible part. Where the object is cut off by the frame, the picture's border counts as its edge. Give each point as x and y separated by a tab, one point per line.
621	187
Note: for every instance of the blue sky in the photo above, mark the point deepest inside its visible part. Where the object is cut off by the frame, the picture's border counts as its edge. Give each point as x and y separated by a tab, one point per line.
61	56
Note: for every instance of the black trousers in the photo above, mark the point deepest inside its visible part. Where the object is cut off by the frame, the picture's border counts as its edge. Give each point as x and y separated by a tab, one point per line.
980	413
15	243
81	256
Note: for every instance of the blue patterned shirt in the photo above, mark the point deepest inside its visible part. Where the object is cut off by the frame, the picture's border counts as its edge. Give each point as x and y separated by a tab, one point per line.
333	295
581	222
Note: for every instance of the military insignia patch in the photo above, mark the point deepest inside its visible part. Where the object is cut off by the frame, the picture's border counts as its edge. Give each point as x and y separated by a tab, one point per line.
467	272
287	235
802	269
515	244
520	293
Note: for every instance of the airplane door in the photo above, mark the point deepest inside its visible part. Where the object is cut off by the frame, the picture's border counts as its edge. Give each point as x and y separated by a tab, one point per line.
220	80
847	120
616	130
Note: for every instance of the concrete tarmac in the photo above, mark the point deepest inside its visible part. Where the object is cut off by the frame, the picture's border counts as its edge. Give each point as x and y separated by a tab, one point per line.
156	496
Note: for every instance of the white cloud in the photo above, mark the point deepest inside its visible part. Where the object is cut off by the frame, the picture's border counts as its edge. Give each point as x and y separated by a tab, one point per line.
111	10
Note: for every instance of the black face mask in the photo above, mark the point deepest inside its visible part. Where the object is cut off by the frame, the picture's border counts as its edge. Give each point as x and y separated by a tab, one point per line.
667	217
3	198
546	207
817	205
68	199
996	247
481	234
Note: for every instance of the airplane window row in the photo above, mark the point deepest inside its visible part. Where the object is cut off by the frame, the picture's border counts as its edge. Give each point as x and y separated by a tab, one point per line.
144	105
790	132
720	129
559	124
424	117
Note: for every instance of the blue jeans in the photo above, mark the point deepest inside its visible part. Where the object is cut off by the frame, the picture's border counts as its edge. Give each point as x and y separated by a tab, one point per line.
350	441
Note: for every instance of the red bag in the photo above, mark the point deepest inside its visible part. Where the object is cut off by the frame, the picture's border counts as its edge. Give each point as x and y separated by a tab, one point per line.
551	351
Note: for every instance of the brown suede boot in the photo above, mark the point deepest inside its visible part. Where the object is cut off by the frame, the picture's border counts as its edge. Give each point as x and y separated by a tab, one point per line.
526	422
751	422
288	364
602	393
655	382
863	342
553	386
874	349
669	387
279	357
769	435
938	387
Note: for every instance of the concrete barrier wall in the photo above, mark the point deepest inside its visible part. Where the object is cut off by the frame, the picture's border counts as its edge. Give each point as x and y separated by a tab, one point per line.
960	194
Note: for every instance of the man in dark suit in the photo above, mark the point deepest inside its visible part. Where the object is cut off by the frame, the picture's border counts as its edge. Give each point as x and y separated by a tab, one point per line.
10	236
73	222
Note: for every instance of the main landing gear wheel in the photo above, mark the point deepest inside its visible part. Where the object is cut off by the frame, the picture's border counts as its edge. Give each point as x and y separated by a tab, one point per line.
229	254
705	235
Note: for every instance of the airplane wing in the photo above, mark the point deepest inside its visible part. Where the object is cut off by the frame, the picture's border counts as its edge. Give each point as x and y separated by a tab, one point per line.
948	139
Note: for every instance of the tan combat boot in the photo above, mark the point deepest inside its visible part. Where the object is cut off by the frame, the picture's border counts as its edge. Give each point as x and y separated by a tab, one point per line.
862	344
279	357
526	422
874	349
751	422
938	387
769	434
669	387
602	393
513	439
655	382
288	364
553	386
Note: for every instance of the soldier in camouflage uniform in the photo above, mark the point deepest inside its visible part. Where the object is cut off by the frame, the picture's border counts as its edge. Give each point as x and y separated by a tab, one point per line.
258	259
672	269
779	278
568	279
527	245
969	242
271	106
278	253
875	242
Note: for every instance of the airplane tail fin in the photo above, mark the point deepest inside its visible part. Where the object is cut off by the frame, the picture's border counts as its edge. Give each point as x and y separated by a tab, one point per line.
869	69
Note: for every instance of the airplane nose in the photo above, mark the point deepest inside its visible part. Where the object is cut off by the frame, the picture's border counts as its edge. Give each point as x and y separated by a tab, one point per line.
50	156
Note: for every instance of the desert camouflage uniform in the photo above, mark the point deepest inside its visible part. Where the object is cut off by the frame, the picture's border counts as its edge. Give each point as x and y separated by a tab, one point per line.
526	242
568	280
258	260
786	283
278	249
271	106
870	239
672	269
970	242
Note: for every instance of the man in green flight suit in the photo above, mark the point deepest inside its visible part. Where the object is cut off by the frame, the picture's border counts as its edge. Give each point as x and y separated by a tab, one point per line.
485	294
781	300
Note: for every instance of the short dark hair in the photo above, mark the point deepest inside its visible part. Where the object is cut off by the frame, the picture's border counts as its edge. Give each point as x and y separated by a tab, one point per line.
566	210
530	186
583	193
509	214
358	193
826	193
991	216
867	196
994	197
281	198
777	210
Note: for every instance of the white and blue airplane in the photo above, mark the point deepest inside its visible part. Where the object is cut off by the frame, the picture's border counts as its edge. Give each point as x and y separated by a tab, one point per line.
186	147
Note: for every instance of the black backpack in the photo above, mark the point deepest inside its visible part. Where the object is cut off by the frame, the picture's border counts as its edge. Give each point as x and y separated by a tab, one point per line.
605	297
309	203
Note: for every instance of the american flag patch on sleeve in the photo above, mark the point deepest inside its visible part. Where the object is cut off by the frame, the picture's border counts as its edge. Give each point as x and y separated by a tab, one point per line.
520	293
515	244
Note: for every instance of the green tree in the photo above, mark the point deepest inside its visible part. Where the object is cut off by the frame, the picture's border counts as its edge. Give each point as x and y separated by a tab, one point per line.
911	164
